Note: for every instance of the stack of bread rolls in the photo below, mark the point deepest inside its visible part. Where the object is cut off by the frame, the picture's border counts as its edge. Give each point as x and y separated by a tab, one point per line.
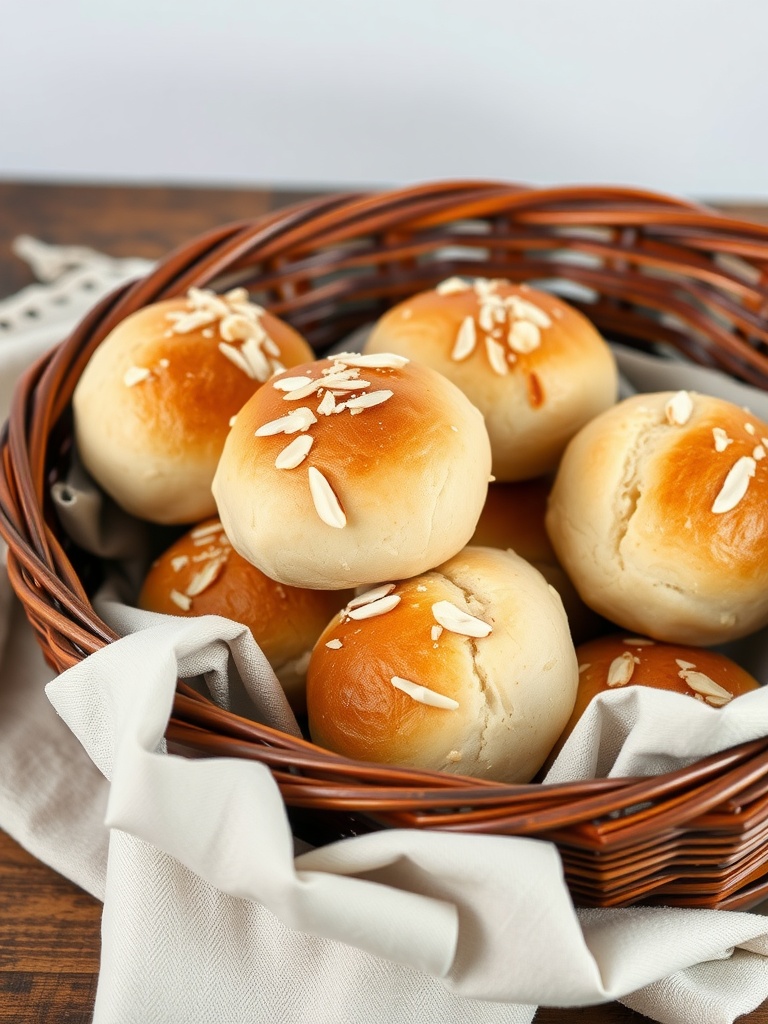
359	539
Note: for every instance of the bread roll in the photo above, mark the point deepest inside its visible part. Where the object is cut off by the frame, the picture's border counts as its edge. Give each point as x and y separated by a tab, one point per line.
351	470
513	517
152	407
618	660
201	575
659	514
467	669
534	366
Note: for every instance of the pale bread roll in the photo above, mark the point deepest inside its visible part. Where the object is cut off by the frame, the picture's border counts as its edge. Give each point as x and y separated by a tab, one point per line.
152	407
532	364
659	514
503	697
354	469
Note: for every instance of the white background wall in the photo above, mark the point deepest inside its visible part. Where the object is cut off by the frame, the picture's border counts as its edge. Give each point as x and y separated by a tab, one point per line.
670	94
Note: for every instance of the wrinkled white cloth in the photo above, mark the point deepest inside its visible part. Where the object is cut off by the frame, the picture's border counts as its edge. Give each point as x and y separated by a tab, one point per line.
210	914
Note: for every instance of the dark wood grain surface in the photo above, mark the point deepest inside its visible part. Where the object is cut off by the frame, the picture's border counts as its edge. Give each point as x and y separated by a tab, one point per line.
50	929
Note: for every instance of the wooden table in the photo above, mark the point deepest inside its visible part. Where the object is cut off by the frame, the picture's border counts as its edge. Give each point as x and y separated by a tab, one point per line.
49	929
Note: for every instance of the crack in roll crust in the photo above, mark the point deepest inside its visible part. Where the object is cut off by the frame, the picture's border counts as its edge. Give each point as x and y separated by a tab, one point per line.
631	519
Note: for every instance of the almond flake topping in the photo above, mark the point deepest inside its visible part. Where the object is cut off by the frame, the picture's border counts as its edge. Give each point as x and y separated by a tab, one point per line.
376	361
234	355
524	336
466	340
291	383
524	309
294	453
585	666
135	375
326	503
371	609
206	531
334	645
207	575
424	695
451	285
369	399
620	670
179	562
371	595
457	621
750	428
327	404
735	486
181	600
496	357
684	665
711	691
679	408
238	320
758	453
296	420
721	439
436	632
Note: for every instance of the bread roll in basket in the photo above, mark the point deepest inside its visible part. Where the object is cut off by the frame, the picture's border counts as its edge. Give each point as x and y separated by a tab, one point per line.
647	270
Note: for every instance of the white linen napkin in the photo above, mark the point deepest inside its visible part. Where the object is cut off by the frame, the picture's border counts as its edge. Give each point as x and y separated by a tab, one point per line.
210	916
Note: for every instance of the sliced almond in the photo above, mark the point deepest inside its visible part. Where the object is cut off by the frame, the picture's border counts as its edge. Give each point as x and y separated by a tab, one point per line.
735	485
496	356
327	404
234	355
371	595
334	645
758	453
721	439
291	383
679	408
294	453
451	286
206	531
376	361
371	609
523	309
455	620
205	577
711	691
424	695
135	375
369	399
524	336
620	670
436	632
326	503
296	420
684	666
179	562
466	340
181	600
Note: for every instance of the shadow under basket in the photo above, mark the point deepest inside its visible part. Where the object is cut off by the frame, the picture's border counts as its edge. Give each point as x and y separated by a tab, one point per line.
650	271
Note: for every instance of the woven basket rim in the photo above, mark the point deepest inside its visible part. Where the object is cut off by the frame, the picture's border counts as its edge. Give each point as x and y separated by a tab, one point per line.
287	253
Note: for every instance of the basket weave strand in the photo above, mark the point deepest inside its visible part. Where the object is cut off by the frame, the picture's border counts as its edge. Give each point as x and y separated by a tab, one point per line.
650	271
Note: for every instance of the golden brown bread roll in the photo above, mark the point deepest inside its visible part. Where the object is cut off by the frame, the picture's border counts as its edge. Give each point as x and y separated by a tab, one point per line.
619	660
202	575
533	365
659	514
468	668
351	470
153	405
513	517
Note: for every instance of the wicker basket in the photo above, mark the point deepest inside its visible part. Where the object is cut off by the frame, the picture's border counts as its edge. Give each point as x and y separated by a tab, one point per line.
648	270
